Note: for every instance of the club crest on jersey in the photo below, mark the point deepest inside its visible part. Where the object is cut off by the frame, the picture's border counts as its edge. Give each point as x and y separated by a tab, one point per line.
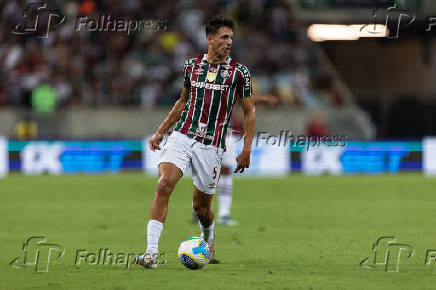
202	129
225	73
211	76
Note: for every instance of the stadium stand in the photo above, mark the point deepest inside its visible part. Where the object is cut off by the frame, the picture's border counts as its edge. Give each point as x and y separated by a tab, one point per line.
97	69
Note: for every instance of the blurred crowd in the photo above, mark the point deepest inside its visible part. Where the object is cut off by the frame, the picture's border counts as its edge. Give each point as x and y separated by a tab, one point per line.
144	68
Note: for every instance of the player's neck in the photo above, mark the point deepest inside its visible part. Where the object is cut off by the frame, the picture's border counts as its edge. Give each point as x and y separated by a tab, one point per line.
215	58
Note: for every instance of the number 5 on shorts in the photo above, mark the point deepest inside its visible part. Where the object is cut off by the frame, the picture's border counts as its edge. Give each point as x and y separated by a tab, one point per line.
214	172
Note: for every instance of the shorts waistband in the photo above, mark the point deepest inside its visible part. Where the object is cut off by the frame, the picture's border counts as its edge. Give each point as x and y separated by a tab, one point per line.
193	142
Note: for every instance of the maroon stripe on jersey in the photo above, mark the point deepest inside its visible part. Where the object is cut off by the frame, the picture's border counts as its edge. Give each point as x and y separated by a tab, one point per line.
215	138
220	118
234	102
223	108
189	68
207	100
188	120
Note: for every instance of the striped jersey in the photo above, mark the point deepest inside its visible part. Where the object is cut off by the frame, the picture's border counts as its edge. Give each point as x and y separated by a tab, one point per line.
213	91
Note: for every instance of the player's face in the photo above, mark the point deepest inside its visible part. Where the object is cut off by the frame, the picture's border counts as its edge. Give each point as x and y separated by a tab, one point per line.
221	41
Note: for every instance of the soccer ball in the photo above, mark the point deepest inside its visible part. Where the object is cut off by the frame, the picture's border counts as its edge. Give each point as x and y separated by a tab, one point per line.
194	253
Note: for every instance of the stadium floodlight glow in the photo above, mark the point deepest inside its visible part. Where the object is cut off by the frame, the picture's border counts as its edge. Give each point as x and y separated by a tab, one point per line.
324	32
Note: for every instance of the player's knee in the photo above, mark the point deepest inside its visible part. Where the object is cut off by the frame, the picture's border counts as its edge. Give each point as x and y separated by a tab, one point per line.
225	170
165	185
200	209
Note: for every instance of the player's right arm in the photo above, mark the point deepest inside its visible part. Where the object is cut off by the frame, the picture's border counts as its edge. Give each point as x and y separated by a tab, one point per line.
170	120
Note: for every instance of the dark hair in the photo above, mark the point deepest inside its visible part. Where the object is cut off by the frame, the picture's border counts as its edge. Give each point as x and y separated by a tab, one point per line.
217	22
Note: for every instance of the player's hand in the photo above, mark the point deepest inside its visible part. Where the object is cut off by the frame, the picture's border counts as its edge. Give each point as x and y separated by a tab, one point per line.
272	100
243	161
155	140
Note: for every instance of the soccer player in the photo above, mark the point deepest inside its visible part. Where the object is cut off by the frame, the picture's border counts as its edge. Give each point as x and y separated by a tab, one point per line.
213	82
225	183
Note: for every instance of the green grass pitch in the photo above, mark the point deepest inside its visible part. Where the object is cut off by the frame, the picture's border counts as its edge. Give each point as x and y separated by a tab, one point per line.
295	233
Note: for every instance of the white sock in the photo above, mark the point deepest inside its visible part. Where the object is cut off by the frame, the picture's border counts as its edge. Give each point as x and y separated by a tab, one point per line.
225	186
154	229
207	233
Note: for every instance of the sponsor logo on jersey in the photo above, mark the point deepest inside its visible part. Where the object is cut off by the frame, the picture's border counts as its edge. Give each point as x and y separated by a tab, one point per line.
247	84
246	75
199	71
205	85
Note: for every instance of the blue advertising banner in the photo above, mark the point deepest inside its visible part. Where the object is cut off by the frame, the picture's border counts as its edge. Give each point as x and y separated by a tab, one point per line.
55	157
4	166
100	156
370	157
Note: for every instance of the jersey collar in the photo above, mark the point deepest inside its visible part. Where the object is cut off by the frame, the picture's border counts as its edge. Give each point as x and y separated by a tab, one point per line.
204	60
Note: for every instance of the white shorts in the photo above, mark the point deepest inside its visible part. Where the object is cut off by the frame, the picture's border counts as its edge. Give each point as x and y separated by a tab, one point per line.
205	160
229	155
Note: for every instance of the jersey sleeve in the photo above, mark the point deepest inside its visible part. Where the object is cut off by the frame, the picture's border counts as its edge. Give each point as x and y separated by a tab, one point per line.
244	82
186	70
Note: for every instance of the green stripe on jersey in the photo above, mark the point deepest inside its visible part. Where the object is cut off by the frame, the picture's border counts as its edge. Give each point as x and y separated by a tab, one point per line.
215	104
199	101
